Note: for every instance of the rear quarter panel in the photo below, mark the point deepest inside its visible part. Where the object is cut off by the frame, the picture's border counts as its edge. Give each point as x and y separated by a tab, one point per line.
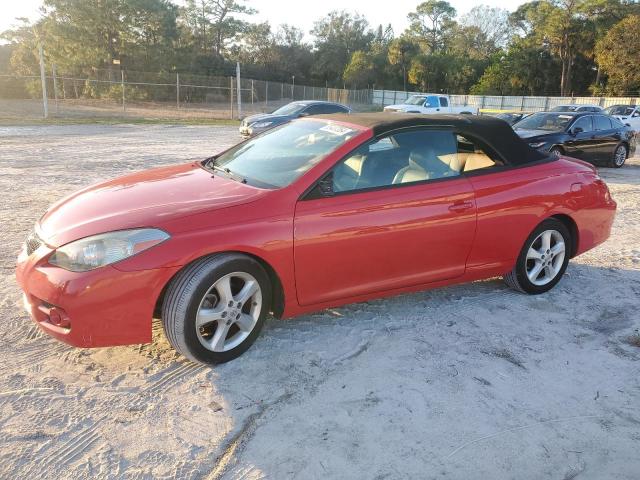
512	202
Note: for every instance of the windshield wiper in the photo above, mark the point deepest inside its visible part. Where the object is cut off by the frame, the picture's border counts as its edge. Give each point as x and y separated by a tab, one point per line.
211	164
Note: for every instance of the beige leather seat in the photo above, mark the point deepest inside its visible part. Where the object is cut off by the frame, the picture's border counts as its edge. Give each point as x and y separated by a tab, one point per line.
424	164
476	161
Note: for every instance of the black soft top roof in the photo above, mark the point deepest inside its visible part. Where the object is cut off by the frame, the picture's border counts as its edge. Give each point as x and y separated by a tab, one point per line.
495	133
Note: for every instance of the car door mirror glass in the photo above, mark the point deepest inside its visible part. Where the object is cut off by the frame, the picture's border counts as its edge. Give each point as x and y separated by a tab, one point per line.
577	130
325	186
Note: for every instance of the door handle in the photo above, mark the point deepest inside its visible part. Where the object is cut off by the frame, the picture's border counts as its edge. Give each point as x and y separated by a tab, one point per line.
460	206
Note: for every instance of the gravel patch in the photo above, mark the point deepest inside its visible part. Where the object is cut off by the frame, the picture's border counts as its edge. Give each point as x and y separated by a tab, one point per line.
471	381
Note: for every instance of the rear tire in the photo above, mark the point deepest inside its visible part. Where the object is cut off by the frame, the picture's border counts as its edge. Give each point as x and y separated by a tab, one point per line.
619	156
542	260
214	309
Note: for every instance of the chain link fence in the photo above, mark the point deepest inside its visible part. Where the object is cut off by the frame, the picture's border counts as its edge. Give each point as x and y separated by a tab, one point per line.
131	94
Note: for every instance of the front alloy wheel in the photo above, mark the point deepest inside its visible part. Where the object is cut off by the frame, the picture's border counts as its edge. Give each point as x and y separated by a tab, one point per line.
229	312
543	258
215	307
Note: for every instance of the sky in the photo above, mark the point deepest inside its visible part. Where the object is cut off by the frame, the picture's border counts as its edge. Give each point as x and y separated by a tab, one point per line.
301	13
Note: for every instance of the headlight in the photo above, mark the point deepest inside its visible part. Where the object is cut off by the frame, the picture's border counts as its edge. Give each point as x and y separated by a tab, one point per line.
100	250
261	124
537	144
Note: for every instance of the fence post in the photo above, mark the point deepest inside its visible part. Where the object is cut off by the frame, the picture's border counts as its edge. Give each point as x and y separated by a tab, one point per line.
383	98
282	91
55	86
122	85
252	95
395	94
304	92
266	95
178	91
239	90
231	95
43	79
546	103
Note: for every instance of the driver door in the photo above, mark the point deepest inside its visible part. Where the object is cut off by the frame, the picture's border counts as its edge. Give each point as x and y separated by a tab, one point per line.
379	220
582	145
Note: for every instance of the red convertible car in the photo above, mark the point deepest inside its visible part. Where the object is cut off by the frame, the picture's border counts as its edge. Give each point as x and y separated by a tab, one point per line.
319	212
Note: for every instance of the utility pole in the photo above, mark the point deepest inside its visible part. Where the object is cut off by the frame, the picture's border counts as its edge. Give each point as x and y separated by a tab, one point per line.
293	86
122	85
55	86
239	90
43	79
178	90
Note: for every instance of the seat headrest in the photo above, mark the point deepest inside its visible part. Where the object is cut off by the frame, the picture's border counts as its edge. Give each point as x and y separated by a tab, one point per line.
422	157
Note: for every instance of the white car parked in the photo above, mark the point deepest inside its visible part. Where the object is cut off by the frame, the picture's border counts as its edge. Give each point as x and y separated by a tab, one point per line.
577	108
627	114
430	103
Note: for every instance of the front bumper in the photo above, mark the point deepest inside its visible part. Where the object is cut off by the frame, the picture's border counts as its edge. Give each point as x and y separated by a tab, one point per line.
102	307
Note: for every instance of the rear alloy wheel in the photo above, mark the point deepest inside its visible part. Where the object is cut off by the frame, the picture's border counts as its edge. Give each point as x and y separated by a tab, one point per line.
543	259
214	309
619	156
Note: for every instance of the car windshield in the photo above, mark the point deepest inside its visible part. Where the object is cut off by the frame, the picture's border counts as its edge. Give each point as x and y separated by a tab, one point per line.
619	110
552	122
415	100
278	157
290	109
565	108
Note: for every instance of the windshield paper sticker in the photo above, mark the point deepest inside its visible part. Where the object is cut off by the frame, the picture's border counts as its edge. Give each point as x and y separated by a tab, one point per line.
336	129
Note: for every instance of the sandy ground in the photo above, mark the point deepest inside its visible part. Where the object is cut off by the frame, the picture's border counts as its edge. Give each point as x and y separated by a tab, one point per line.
472	381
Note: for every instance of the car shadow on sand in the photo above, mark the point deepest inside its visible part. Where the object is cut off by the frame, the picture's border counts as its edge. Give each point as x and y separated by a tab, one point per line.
329	379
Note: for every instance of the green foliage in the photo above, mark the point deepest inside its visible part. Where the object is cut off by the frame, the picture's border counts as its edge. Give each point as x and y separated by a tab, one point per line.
543	47
618	53
338	36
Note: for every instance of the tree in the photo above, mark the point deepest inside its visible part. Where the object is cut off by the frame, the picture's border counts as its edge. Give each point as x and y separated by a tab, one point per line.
518	72
338	36
401	50
430	23
360	71
618	53
213	22
493	22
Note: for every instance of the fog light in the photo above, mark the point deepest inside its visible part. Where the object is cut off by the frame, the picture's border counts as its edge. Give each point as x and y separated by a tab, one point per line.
58	318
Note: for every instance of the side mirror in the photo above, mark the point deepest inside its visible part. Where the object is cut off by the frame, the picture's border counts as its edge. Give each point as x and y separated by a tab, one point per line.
576	130
636	114
326	185
628	124
304	114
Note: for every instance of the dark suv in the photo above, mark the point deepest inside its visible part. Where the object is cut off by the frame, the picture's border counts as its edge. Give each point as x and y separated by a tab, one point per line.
259	123
593	137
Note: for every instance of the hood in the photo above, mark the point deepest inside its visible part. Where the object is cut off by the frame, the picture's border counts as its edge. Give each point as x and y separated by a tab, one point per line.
266	117
400	107
146	199
531	134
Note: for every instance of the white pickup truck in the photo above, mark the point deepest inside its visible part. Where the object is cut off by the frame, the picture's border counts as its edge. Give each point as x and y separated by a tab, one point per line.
430	103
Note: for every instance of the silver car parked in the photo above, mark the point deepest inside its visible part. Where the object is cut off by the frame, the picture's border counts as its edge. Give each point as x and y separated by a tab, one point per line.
255	124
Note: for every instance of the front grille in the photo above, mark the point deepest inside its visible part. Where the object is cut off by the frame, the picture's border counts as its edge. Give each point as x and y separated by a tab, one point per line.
33	243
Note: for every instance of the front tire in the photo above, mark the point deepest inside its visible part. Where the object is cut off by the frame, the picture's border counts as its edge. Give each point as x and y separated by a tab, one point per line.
619	156
214	309
542	260
556	152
